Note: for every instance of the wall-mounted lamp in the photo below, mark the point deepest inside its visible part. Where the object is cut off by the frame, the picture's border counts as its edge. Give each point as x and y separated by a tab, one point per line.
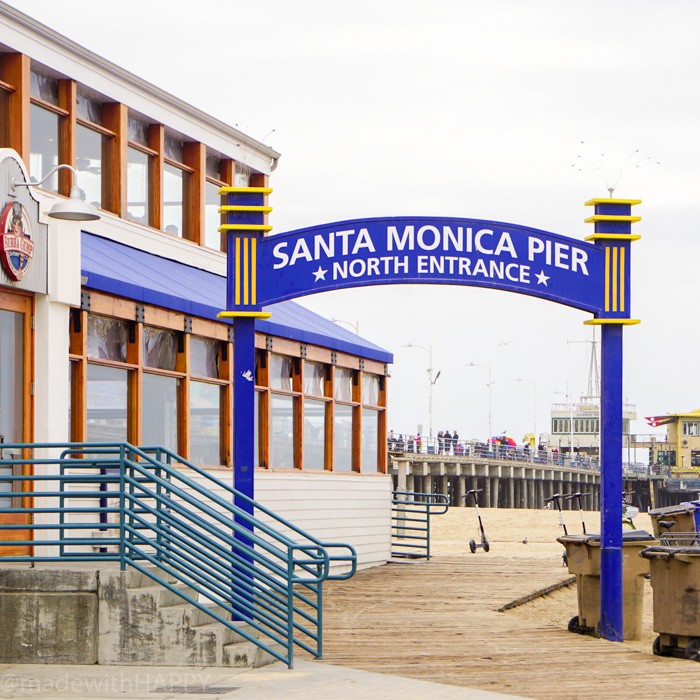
75	208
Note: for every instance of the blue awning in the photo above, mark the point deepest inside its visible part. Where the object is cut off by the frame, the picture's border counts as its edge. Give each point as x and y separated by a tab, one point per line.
128	272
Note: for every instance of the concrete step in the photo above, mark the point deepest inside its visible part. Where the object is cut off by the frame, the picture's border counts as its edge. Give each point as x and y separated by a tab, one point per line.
137	579
222	634
164	597
196	637
168	597
248	655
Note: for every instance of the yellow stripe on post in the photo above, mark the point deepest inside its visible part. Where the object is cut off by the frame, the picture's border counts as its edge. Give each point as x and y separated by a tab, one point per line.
246	276
622	279
245	227
253	272
238	271
607	279
244	190
612	321
614	279
241	208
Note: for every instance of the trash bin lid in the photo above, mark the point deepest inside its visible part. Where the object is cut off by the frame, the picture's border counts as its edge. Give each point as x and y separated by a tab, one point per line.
594	537
667	552
673	510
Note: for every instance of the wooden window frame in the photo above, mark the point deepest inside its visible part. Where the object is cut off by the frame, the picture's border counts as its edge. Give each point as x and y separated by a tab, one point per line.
125	310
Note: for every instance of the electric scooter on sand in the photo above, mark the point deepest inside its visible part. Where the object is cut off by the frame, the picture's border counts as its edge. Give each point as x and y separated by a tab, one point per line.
578	496
556	499
484	544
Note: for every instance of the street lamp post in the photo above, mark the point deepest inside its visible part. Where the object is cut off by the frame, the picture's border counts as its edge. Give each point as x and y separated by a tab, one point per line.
431	383
534	386
571	419
490	386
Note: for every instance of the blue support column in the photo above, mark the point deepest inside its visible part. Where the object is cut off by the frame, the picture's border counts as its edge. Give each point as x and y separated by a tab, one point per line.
611	623
245	210
613	232
244	409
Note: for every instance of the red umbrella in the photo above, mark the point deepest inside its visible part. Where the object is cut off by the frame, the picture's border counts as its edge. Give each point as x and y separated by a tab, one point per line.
503	440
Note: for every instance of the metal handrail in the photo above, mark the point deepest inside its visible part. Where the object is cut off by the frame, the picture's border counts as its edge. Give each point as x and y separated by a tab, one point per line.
410	522
350	558
157	519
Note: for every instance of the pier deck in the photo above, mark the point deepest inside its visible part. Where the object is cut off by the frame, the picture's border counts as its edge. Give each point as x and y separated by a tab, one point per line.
440	621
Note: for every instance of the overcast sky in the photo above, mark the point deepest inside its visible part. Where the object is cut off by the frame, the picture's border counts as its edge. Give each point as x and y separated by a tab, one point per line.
467	109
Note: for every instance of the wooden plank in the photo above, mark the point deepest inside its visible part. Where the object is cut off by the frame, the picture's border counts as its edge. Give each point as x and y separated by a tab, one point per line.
439	621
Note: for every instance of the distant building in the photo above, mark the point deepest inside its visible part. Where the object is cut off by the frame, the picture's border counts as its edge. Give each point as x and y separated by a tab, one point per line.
575	426
679	452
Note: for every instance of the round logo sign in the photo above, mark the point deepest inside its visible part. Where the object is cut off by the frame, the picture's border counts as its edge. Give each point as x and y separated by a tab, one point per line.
16	245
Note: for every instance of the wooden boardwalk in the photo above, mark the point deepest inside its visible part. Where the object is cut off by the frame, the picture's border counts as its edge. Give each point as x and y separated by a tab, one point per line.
440	621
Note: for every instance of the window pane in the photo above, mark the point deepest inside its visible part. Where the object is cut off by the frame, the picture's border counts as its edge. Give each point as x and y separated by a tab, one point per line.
212	167
174	196
90	150
314	434
43	87
204	357
256	431
107	338
138	131
11	390
282	431
88	108
281	369
370	440
205	423
314	375
43	146
11	374
173	149
159	348
343	384
4	119
212	237
138	187
160	411
106	404
342	439
370	389
241	177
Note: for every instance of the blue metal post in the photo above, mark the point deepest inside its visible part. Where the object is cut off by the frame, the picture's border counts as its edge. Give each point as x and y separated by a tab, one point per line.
245	210
244	409
613	233
611	623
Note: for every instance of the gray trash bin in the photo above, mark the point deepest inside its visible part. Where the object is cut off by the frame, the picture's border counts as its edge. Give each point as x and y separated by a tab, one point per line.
583	560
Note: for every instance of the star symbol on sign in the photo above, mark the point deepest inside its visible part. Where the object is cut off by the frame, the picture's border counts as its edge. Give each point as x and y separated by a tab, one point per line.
320	274
542	278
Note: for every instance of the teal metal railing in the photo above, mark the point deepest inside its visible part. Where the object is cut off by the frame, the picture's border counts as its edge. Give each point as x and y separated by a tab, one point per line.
150	510
410	522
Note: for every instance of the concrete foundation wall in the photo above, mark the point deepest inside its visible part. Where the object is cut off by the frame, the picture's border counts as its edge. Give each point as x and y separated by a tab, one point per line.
48	617
111	617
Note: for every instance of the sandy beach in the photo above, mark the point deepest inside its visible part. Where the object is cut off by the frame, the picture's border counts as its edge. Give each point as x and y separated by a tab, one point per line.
531	534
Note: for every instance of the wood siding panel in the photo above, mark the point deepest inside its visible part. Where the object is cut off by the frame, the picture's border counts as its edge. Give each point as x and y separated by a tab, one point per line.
353	509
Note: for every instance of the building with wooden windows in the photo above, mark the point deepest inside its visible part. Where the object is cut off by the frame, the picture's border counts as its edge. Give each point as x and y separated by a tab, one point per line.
108	327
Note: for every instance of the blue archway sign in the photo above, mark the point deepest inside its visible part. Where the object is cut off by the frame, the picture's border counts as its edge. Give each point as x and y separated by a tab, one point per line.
591	275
